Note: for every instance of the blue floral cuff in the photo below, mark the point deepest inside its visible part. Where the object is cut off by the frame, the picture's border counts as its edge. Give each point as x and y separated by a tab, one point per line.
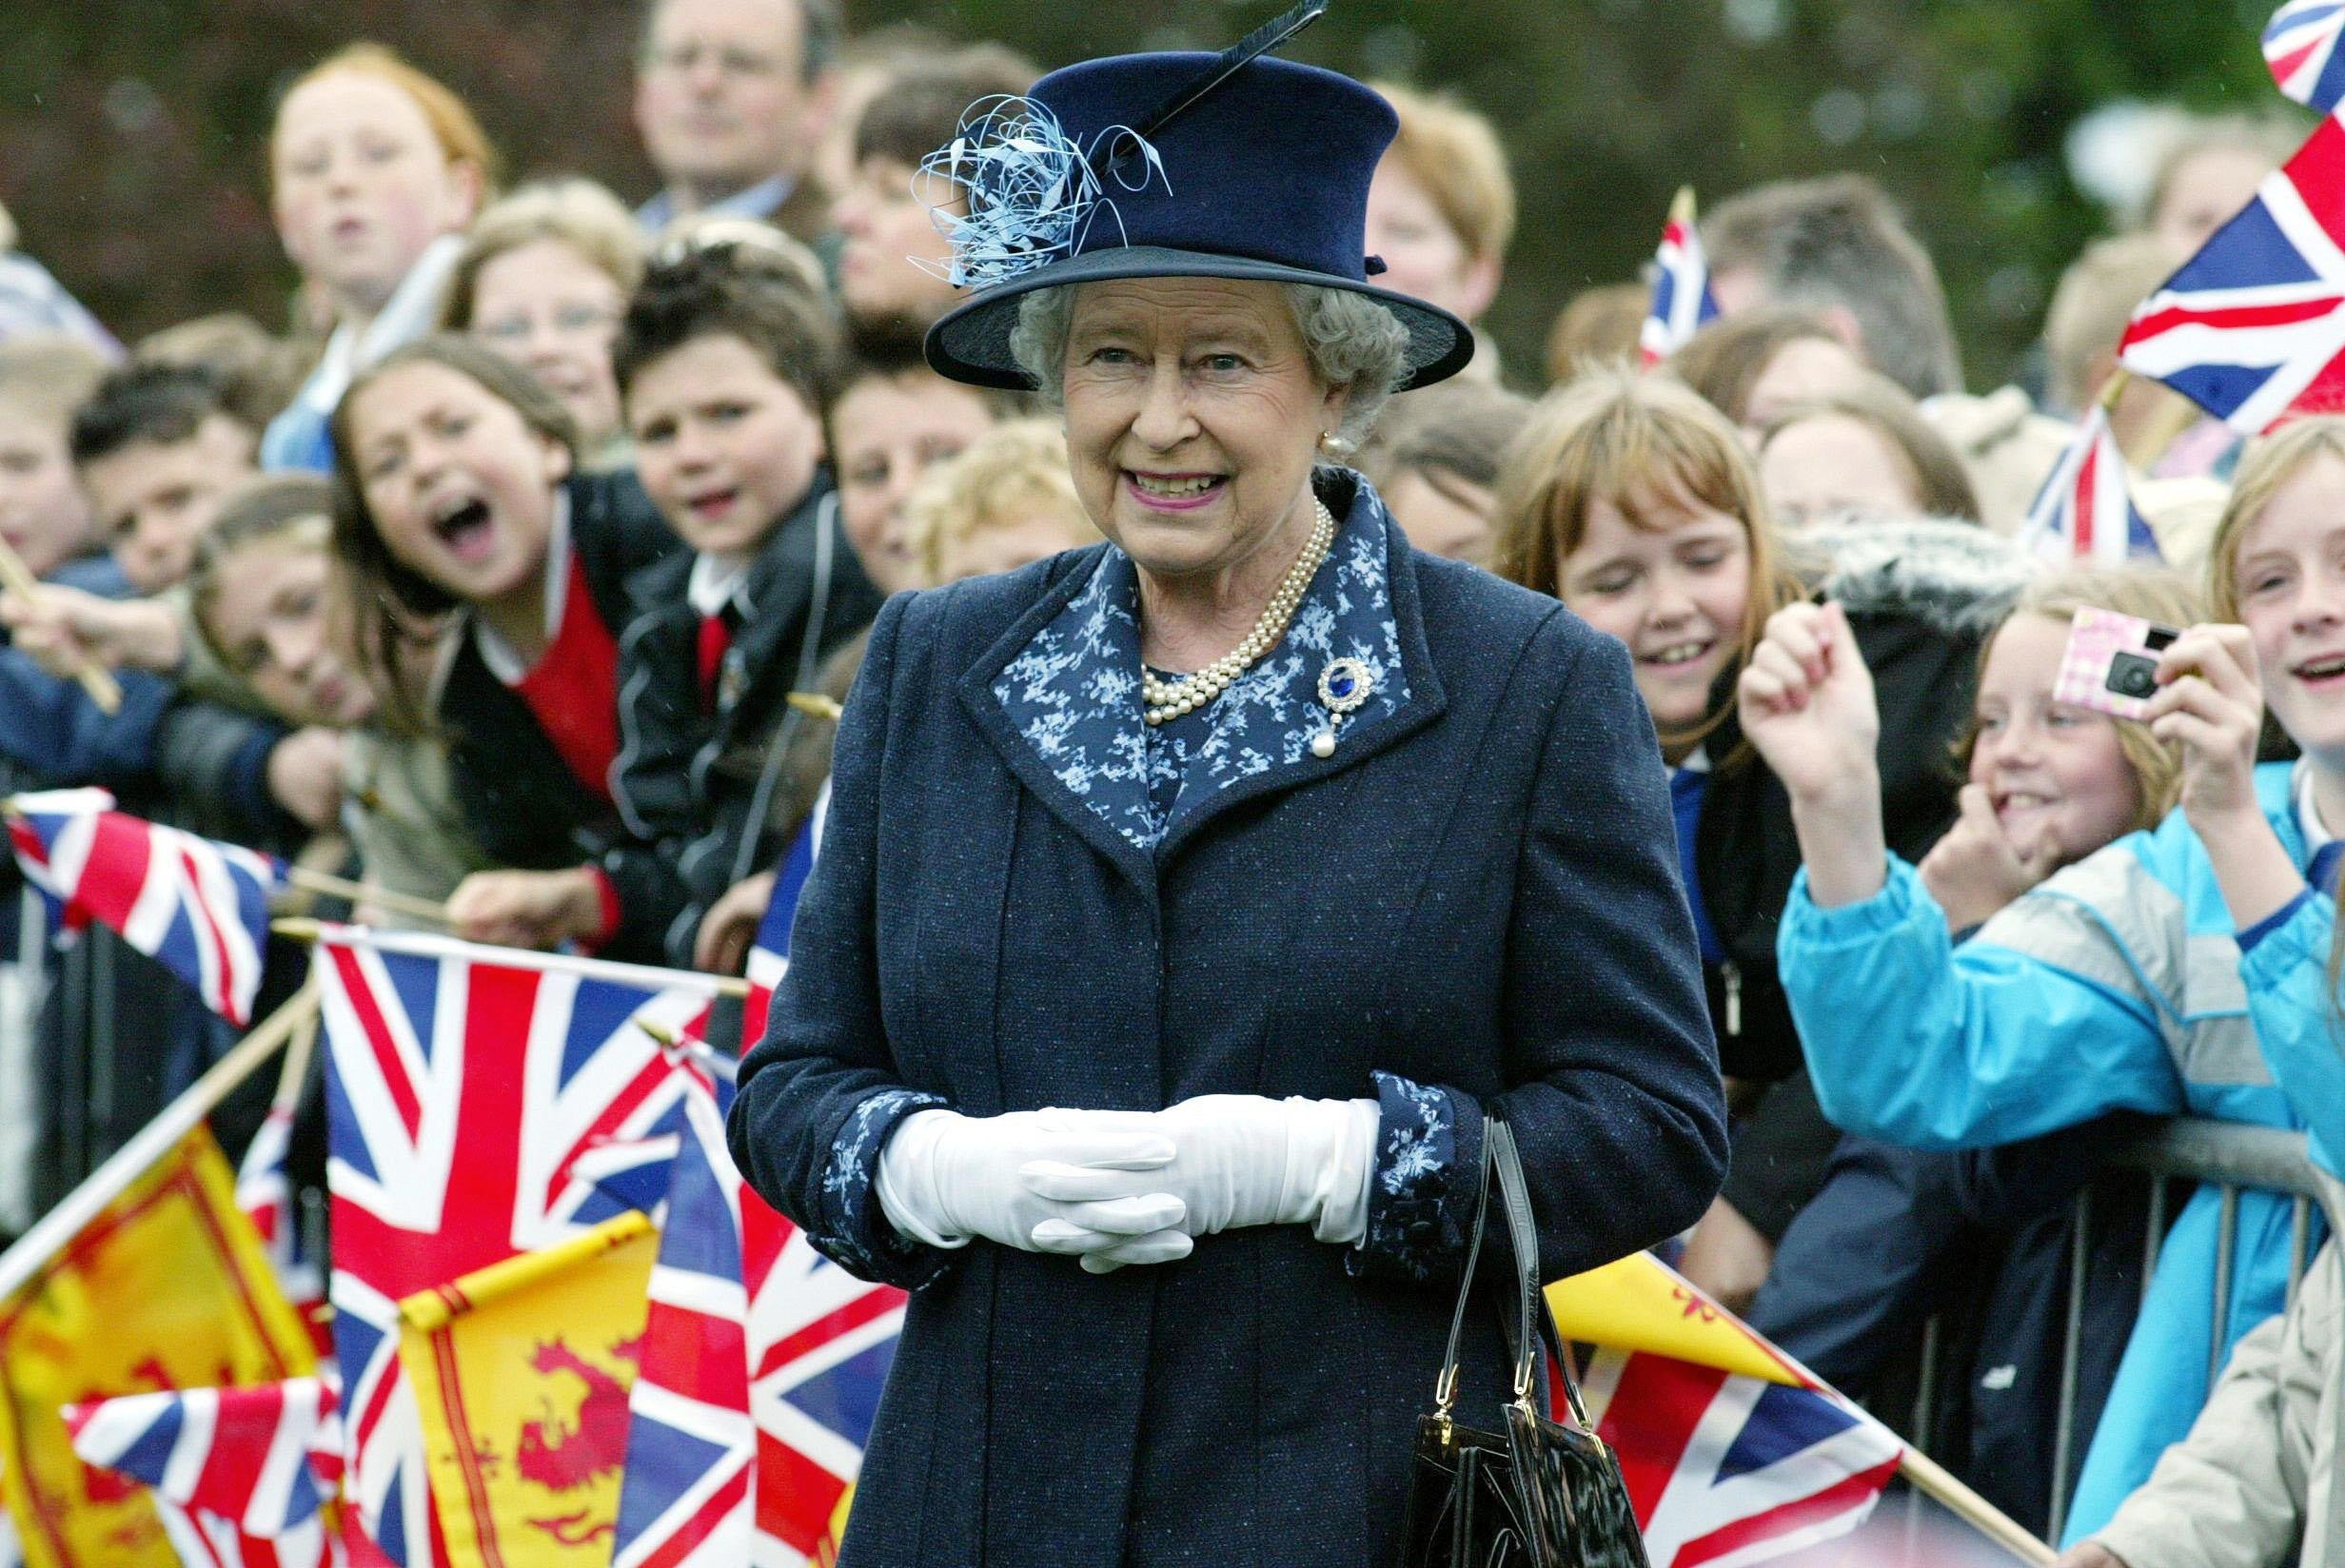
855	1232
1422	1194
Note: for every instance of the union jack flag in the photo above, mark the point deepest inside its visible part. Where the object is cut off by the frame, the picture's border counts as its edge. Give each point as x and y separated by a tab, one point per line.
471	1096
1681	297
2300	44
197	906
763	1368
240	1474
691	1445
2253	327
2085	510
1727	1469
769	955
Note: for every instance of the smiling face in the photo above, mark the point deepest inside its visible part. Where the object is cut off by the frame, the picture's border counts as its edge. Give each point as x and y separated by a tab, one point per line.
460	488
724	447
268	614
1192	418
1816	468
883	226
2053	771
890	430
1669	576
361	187
556	314
154	499
2291	576
721	96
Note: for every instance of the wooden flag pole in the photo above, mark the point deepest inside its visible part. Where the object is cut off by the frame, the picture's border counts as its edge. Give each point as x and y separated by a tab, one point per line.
1682	206
48	1234
1929	1477
723	985
295	1073
97	682
358	893
816	704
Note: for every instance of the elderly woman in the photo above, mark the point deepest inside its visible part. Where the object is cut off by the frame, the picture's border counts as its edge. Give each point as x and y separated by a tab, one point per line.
1188	901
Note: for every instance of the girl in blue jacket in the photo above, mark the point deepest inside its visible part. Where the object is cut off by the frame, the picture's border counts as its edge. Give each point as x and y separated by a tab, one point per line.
2179	972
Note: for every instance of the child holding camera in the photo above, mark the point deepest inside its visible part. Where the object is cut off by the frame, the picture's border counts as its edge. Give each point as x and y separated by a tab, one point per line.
1987	1233
2179	970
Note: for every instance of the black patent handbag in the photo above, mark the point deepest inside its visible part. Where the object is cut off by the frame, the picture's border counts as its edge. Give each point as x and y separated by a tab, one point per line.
1539	1494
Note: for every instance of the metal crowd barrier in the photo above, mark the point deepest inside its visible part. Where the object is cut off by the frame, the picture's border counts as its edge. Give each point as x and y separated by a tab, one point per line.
63	1059
2226	1155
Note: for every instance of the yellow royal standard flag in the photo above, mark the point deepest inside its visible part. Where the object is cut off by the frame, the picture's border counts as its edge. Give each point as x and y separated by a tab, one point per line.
167	1288
522	1372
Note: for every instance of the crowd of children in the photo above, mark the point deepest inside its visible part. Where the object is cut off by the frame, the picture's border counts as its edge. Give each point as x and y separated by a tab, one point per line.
521	593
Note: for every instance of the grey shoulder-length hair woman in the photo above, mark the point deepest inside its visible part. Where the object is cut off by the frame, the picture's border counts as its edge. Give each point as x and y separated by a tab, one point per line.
1188	902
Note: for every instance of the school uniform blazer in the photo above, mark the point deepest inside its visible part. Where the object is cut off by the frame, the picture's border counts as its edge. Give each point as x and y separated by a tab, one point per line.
687	778
1472	906
524	806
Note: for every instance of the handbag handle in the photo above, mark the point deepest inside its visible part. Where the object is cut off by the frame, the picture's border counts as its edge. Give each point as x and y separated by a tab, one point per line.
1529	1327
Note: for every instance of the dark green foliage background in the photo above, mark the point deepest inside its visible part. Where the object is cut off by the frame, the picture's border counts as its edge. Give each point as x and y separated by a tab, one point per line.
132	131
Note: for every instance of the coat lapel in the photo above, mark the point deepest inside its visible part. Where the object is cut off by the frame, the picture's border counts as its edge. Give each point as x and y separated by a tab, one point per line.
1052	695
1362	605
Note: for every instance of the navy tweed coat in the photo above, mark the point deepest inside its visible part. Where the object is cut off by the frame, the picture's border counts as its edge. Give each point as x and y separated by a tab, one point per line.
1472	906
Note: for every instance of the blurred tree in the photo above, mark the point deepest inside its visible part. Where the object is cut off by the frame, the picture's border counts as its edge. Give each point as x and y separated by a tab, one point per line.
135	132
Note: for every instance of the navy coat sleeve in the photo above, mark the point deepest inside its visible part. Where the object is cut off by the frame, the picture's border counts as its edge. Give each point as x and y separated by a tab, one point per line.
1613	1087
818	1097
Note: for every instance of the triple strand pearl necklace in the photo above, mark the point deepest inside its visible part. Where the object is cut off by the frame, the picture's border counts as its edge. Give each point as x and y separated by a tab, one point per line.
1170	699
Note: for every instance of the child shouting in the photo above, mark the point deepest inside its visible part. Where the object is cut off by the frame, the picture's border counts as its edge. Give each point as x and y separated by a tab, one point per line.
725	361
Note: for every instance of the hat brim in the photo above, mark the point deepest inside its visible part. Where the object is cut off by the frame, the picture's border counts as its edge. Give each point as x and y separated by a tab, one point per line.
971	343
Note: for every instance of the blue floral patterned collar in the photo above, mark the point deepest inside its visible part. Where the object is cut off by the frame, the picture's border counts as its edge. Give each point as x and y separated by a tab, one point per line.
1072	693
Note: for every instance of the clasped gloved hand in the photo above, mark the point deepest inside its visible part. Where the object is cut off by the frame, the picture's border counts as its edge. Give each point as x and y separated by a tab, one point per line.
1239	1160
946	1179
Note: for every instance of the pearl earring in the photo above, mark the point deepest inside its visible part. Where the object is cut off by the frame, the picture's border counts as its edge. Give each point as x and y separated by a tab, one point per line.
1336	446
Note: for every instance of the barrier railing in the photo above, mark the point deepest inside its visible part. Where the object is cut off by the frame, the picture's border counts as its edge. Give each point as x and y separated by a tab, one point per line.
2230	1157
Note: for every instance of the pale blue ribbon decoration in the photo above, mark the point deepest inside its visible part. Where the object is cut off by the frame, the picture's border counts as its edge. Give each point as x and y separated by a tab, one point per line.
1032	192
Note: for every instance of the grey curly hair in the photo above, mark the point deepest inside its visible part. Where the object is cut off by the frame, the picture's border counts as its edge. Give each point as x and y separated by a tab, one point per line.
1352	342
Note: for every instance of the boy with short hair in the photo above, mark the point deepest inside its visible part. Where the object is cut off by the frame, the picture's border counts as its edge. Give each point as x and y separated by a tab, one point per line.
157	448
723	361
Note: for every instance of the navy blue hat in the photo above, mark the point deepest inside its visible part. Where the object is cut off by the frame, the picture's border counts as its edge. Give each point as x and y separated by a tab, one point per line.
1264	178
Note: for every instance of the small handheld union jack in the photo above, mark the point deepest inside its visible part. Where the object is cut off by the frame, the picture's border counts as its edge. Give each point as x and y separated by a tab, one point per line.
2085	510
198	908
1681	297
2300	44
240	1474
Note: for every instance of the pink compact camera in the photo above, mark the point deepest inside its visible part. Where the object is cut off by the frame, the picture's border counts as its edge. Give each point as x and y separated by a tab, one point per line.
2111	662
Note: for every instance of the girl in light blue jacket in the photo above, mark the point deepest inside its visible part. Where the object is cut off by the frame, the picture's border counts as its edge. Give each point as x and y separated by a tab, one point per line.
2182	971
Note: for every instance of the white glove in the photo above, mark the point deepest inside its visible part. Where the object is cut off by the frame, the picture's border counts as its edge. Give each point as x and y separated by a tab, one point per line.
946	1179
1242	1160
